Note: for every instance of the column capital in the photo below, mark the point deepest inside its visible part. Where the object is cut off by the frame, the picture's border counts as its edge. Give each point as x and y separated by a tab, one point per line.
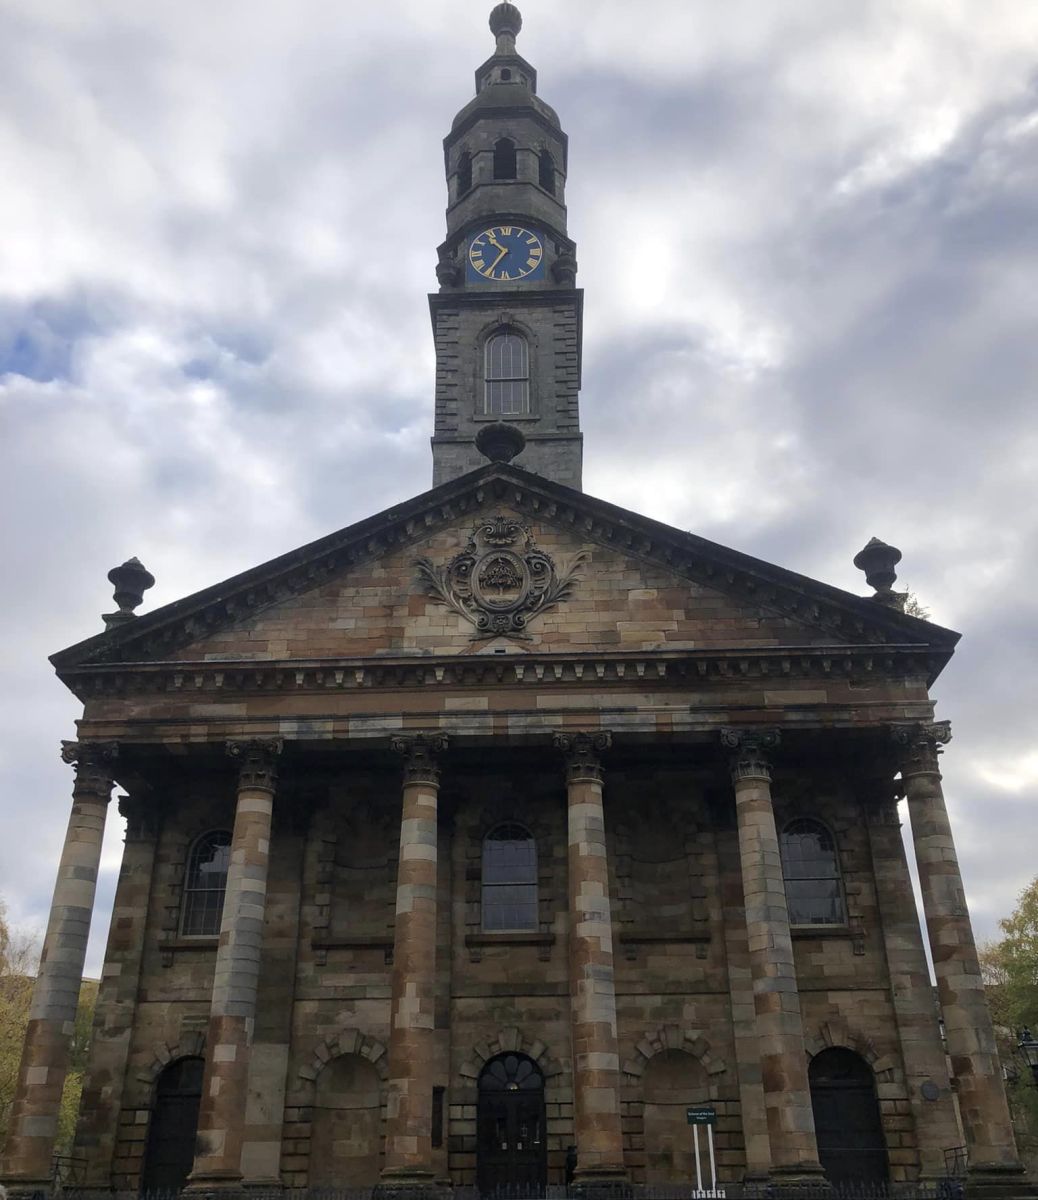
257	762
920	745
141	816
419	752
878	794
93	766
750	748
582	752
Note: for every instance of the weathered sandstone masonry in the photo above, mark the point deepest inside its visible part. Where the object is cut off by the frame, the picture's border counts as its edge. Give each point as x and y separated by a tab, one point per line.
596	1059
993	1161
926	1071
780	1027
409	1152
116	1008
232	1013
52	1015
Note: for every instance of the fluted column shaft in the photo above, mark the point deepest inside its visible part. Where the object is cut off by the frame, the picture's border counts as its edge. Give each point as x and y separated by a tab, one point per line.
780	1029
968	1028
409	1154
232	1011
52	1014
596	1058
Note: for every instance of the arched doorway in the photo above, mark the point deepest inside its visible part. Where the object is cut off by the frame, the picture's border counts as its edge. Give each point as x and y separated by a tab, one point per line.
346	1134
170	1152
851	1145
511	1147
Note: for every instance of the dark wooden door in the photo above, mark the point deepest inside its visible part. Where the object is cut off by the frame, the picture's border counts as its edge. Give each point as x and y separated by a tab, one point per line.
512	1150
848	1126
174	1124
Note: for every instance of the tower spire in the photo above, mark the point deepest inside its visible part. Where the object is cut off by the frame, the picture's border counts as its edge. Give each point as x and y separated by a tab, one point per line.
507	317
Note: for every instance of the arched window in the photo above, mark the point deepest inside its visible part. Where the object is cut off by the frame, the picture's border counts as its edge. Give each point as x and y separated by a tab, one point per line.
206	884
507	375
464	173
504	159
509	879
811	870
546	171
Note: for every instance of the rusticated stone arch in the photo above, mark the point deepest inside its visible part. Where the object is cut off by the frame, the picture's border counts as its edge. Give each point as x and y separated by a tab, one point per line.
191	1045
663	1045
837	1032
673	1037
504	1041
299	1109
345	1041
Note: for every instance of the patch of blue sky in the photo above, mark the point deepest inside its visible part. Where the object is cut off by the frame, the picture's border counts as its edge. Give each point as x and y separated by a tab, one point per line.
38	343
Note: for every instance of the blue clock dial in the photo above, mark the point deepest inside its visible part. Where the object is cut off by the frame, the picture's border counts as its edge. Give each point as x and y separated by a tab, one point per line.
505	254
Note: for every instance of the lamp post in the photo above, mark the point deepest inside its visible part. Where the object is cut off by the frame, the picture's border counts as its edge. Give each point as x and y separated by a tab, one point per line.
1028	1047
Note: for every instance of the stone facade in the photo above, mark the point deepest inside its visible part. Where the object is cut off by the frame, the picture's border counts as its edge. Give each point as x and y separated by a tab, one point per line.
463	843
653	732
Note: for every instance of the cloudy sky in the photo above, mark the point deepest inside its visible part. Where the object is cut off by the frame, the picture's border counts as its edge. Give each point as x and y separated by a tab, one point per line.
807	234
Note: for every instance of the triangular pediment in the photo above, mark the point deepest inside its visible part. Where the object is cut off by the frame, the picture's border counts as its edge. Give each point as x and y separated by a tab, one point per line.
506	557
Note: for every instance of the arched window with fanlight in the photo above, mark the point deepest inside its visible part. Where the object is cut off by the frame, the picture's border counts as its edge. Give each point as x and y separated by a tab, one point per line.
504	159
206	884
509	879
507	375
811	870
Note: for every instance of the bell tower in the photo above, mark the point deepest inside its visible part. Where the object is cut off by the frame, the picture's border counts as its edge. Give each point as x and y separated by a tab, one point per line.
507	318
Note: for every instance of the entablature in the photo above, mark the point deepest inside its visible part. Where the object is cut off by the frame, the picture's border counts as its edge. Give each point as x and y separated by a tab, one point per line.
865	666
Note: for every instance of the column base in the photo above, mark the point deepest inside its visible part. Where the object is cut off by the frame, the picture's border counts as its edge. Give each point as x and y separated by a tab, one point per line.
602	1184
803	1177
28	1189
215	1185
410	1185
998	1182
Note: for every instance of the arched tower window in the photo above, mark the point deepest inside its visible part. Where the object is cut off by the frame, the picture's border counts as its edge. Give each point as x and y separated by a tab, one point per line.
464	173
811	870
504	159
509	879
206	883
507	375
546	171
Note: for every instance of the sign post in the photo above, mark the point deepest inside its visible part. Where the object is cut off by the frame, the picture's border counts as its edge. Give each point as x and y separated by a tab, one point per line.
703	1114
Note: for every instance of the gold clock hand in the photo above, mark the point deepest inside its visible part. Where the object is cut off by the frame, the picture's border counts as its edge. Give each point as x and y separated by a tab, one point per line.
504	251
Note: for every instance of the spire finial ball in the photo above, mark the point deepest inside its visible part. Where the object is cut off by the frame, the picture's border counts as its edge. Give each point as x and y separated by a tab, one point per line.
505	18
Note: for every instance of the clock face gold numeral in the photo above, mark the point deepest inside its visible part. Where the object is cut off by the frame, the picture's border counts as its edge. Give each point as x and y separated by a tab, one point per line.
505	253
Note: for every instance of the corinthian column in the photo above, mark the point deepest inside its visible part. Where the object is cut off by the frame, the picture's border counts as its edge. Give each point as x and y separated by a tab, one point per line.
52	1015
776	1001
412	1036
993	1161
232	1012
596	1057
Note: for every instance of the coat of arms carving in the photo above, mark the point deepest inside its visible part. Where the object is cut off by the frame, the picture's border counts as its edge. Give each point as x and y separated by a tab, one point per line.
500	581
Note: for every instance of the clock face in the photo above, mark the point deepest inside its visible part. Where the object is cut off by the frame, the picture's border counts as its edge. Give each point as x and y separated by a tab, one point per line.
504	254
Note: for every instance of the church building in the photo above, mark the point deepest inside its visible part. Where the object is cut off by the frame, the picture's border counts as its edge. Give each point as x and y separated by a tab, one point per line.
475	844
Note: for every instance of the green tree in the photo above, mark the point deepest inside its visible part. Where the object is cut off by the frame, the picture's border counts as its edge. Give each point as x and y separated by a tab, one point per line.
1010	968
19	956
